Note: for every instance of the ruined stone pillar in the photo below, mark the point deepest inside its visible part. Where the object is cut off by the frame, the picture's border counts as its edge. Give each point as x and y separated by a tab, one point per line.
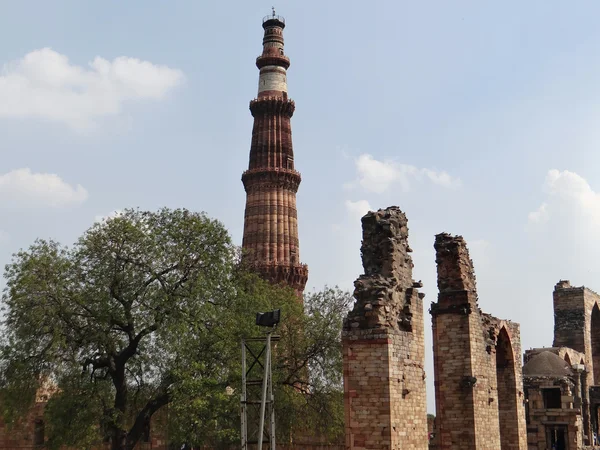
383	348
477	362
453	329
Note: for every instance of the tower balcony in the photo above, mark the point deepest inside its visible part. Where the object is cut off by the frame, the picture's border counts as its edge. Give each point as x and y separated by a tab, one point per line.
272	105
272	59
294	275
271	176
273	21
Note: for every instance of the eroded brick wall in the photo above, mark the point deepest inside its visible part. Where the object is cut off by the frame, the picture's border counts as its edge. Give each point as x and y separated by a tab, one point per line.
25	434
479	398
383	343
569	316
576	322
22	434
540	418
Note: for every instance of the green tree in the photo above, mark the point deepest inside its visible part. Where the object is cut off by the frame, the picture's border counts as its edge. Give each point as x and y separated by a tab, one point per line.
146	310
309	388
307	371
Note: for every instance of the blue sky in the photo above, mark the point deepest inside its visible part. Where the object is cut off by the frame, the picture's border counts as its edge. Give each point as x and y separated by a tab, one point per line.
476	118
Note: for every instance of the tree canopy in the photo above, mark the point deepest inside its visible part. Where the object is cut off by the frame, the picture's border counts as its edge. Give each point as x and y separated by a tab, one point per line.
147	310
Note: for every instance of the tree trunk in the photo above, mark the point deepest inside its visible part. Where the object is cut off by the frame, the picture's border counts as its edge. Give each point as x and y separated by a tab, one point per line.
119	440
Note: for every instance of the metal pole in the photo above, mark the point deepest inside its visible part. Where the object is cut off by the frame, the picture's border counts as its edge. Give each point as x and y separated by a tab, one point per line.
263	402
244	406
272	405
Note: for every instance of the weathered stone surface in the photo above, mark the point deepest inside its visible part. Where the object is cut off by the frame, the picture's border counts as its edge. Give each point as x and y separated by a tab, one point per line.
385	292
577	327
454	267
477	364
549	368
383	343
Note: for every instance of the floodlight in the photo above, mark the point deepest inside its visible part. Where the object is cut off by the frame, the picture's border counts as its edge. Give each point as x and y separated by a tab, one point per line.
268	319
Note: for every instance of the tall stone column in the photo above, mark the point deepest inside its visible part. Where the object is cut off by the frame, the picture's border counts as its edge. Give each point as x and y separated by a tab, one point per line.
477	362
383	343
271	245
454	325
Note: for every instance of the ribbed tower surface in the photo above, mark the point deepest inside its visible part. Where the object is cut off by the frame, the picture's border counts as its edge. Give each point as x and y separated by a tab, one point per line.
270	241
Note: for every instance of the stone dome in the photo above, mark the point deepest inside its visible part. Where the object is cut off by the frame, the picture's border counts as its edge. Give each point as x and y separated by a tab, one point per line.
547	364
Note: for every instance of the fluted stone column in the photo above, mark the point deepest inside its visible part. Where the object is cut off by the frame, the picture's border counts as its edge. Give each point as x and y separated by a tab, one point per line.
270	241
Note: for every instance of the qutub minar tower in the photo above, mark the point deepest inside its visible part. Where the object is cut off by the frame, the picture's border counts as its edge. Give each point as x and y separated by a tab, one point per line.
270	241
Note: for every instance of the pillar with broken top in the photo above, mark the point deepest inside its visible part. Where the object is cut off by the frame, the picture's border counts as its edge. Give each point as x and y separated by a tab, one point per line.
383	348
477	362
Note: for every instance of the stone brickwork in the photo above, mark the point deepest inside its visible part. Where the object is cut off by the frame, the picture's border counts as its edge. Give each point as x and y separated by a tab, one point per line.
542	420
383	347
23	434
553	420
30	433
577	326
477	363
271	245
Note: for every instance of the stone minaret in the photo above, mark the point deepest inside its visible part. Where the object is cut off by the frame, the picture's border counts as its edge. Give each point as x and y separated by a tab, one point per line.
271	222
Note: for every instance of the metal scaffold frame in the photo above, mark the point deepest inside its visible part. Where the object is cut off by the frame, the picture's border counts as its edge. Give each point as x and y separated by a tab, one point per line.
252	353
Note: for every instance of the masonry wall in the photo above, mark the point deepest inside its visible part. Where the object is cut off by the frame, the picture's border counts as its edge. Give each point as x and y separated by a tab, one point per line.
479	397
22	435
383	343
540	418
576	323
455	410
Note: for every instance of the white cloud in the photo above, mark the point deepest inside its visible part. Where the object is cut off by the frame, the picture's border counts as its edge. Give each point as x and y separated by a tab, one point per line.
540	215
379	176
358	208
23	187
44	84
110	215
563	238
4	237
568	195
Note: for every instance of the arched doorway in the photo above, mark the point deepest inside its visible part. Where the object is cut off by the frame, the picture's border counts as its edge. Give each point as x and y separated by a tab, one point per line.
507	392
595	339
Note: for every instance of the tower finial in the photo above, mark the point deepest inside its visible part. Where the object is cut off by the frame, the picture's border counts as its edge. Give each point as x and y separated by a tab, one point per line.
273	8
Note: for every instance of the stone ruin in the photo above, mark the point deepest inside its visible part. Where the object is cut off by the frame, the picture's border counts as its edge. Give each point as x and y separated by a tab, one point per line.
385	292
477	361
477	368
383	343
485	397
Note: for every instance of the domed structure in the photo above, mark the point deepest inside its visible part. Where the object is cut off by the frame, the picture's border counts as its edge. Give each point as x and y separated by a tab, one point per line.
547	364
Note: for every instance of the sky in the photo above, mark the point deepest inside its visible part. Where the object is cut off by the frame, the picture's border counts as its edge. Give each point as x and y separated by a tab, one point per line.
475	118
